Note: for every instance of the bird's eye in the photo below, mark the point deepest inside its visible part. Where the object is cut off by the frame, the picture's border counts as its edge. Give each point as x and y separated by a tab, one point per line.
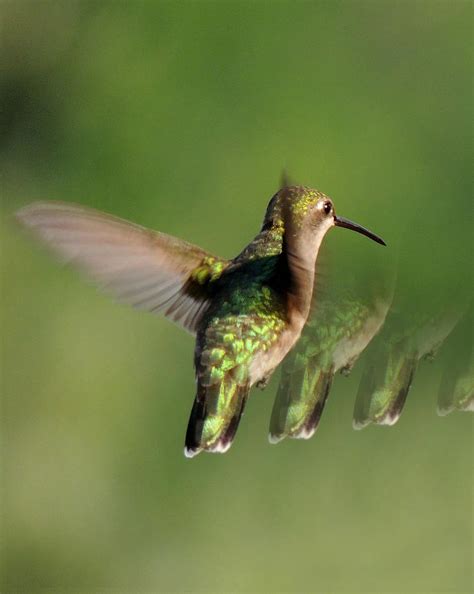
327	207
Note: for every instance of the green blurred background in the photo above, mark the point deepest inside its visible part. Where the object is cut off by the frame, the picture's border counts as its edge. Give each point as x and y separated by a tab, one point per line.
180	116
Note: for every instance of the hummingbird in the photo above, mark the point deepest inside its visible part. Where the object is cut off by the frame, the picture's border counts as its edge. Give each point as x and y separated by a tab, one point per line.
392	364
335	335
245	313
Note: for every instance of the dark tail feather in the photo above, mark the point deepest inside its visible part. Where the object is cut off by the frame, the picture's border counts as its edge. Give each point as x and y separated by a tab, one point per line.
215	418
192	445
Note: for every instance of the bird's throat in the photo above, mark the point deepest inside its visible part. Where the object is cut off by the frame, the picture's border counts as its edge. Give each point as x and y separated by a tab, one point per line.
300	262
300	290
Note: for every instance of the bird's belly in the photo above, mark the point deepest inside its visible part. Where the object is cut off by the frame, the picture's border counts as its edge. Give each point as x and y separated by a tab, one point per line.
264	362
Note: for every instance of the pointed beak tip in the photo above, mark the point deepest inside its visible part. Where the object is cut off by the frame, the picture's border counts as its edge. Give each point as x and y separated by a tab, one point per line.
342	222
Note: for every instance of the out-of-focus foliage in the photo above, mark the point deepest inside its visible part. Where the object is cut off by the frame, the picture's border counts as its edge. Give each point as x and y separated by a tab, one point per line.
180	116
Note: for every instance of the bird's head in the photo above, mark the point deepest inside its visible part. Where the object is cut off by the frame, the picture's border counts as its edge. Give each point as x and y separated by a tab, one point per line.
310	214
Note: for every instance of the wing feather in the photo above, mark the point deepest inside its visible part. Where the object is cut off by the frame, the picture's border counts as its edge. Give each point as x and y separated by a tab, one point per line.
143	268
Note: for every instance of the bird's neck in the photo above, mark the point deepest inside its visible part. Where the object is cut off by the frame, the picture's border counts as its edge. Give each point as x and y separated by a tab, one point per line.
299	258
290	261
300	289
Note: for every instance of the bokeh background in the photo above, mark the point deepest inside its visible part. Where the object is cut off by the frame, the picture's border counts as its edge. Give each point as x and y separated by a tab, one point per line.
180	116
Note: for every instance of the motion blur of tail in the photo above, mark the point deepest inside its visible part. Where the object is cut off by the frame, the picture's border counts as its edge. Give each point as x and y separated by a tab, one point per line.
456	391
336	335
459	396
384	387
300	399
393	361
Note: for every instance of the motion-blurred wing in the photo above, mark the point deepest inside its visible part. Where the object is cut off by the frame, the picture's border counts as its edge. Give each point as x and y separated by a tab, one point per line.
143	268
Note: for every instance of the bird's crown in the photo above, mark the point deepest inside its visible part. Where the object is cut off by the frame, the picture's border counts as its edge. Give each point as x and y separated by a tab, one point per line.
293	204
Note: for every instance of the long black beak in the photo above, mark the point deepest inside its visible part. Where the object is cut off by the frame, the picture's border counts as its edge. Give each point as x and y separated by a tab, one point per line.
342	222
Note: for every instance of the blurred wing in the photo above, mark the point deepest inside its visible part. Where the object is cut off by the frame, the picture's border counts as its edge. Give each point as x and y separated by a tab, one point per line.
143	268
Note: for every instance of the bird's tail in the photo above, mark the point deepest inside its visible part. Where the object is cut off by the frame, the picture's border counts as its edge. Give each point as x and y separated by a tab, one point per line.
300	401
215	416
384	388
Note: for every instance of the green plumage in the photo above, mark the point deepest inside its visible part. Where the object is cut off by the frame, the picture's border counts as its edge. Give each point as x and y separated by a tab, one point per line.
246	318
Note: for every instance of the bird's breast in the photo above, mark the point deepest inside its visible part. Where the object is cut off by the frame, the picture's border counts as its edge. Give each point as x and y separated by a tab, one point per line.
247	328
265	361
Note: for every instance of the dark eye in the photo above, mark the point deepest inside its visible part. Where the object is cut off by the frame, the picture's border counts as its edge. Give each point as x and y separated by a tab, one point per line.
327	207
